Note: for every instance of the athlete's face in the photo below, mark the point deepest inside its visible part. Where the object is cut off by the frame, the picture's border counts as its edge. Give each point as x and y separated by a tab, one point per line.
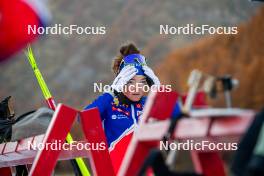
134	89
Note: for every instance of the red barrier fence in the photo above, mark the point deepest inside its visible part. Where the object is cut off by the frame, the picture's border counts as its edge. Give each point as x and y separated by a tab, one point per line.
215	125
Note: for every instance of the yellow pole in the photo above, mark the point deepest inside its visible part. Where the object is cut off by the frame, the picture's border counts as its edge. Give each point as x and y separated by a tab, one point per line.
47	95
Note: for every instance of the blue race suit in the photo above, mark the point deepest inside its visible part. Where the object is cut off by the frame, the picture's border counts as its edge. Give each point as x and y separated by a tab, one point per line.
119	119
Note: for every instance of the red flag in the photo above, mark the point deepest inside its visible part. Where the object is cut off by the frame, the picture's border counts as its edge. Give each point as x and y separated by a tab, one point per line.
15	16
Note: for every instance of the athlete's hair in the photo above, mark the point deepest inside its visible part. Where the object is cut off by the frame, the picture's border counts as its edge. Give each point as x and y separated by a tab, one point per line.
126	49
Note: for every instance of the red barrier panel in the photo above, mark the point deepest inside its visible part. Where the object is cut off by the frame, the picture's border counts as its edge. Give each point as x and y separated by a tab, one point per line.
209	127
94	133
138	149
58	129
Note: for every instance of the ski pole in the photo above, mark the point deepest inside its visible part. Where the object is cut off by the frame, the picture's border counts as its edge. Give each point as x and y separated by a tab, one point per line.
51	103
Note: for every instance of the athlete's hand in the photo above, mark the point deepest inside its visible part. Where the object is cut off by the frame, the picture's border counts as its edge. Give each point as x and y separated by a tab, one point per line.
127	73
149	72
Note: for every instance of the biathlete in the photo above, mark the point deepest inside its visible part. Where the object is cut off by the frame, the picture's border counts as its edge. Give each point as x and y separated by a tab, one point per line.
121	108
